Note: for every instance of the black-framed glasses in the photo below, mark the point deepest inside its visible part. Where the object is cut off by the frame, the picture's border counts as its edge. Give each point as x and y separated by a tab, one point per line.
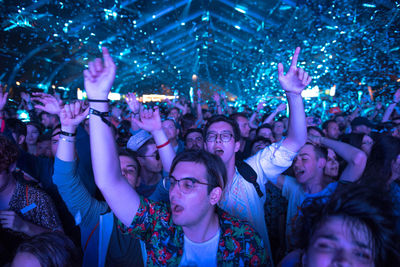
155	155
186	184
225	137
197	139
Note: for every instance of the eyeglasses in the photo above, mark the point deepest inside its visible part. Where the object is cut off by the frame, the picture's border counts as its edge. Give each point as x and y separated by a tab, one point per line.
186	184
155	155
225	137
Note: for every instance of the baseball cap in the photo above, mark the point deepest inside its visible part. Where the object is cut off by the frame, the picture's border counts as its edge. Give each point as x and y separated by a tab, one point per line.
137	140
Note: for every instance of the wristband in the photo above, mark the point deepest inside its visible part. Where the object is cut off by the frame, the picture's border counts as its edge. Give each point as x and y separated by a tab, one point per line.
102	115
68	134
163	145
98	100
67	140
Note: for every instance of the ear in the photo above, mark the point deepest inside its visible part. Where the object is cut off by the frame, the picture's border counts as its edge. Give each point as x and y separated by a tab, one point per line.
321	163
21	139
324	131
237	146
215	195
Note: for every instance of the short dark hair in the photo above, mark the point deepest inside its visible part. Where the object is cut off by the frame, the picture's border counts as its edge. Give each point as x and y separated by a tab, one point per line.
358	205
320	152
230	121
325	125
8	153
37	125
215	168
193	130
52	249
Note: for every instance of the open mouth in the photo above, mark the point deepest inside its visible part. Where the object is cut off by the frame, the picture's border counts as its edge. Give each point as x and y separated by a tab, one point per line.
177	209
218	152
299	172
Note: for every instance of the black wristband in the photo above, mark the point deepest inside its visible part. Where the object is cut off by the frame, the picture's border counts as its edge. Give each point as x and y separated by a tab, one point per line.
102	115
98	100
68	134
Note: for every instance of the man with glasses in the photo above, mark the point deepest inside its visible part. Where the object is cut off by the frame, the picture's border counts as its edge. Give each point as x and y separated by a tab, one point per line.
192	229
222	135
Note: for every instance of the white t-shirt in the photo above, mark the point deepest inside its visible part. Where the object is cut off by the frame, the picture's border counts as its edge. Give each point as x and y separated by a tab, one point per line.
295	195
200	254
240	198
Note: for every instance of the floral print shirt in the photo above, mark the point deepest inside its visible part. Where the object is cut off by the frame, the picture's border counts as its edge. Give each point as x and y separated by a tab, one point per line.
239	244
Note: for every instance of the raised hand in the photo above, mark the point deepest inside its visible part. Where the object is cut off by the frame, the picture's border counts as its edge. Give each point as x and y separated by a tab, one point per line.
3	98
9	219
260	105
50	104
99	77
316	140
132	102
26	97
72	115
199	93
149	120
216	97
296	79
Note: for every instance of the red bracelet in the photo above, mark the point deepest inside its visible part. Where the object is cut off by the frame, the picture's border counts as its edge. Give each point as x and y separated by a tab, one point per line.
163	145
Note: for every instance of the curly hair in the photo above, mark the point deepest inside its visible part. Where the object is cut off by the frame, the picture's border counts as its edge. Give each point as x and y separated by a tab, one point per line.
8	153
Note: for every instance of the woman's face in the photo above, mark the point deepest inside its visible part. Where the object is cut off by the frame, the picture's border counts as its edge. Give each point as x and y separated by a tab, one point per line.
32	134
332	165
339	242
367	143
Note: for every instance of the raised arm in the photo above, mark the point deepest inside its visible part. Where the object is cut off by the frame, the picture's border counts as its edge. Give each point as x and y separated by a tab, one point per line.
295	80
252	120
120	196
390	108
356	159
199	109
271	116
150	121
217	99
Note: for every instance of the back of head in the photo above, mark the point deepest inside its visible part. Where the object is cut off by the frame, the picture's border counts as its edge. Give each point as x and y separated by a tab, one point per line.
17	127
222	118
52	250
215	168
359	207
354	139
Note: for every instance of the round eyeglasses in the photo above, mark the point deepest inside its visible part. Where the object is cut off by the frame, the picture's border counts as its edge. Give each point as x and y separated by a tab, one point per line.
225	137
155	155
186	185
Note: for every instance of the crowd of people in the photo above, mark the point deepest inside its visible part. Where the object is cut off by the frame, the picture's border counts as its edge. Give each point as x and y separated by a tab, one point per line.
94	183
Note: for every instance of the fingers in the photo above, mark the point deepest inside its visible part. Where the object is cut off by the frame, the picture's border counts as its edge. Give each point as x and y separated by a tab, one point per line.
68	112
280	70
88	76
295	57
108	62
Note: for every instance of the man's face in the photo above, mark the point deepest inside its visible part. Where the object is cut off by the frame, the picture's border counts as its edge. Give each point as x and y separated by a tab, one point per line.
194	141
341	121
279	128
305	165
333	131
189	209
129	169
150	161
266	132
332	165
339	242
170	130
225	150
361	129
243	126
